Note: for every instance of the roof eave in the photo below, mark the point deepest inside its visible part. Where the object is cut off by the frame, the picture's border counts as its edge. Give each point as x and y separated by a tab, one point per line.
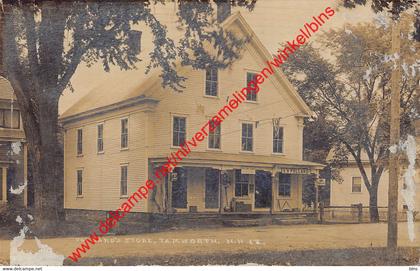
149	103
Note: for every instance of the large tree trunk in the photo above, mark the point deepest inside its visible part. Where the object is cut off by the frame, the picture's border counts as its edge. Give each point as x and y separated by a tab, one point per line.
45	151
373	204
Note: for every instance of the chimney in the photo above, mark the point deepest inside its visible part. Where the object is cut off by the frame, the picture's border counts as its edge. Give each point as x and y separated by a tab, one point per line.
223	10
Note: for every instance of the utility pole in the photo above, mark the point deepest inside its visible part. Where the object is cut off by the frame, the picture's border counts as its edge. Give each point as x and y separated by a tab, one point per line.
394	140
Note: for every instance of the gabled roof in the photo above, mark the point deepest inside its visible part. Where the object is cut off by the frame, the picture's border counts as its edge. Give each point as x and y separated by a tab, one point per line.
6	90
123	86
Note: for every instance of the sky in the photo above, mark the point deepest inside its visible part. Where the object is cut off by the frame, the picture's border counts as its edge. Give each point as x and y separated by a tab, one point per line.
273	21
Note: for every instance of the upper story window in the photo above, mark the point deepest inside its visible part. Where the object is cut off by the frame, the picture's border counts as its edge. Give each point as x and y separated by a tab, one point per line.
100	141
285	183
124	133
214	136
247	136
356	184
252	95
123	180
211	82
9	119
241	184
178	131
277	139
79	141
79	182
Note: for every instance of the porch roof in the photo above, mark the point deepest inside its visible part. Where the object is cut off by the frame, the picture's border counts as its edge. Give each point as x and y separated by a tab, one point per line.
228	161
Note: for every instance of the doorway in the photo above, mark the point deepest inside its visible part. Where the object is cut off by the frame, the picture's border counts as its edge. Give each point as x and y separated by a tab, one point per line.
212	188
179	188
263	189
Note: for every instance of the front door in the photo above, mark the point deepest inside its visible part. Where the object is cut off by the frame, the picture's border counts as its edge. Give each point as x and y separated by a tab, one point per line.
263	189
212	188
179	188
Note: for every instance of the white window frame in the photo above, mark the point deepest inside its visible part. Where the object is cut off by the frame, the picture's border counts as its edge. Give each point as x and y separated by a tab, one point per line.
121	180
253	137
282	144
220	141
121	133
77	142
102	138
290	186
173	116
217	85
249	176
246	85
77	182
352	183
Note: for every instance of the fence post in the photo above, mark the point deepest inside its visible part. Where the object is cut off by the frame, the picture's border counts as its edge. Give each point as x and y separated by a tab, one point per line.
321	212
360	212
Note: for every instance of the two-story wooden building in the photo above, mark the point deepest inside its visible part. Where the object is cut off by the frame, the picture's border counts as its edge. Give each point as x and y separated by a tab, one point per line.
119	133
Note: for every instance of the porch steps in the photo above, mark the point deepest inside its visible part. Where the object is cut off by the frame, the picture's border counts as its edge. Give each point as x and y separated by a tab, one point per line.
246	222
252	219
290	221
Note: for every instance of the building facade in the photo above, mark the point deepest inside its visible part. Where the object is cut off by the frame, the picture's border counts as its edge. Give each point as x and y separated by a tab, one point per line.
121	132
351	190
13	150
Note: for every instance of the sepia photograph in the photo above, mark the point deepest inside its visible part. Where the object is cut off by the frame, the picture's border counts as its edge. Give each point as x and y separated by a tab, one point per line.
155	134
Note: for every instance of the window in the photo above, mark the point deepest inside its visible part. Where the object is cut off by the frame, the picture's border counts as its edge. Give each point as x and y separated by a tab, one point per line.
124	133
178	131
211	82
247	136
356	184
241	184
123	180
9	118
250	96
285	183
79	141
79	182
214	136
277	139
100	143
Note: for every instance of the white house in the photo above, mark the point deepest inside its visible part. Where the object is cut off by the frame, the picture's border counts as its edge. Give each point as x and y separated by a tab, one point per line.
119	133
351	189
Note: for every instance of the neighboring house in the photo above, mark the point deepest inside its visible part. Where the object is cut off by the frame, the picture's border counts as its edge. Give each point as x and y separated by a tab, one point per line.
121	132
351	190
13	149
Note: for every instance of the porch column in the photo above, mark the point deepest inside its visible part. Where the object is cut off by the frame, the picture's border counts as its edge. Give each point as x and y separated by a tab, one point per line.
300	191
220	192
273	191
25	174
4	184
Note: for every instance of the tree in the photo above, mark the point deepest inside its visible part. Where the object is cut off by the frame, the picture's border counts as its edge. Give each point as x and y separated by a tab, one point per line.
43	42
395	8
349	91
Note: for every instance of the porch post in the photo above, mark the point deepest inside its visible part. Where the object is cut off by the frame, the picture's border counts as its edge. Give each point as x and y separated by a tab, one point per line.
4	184
300	190
169	192
273	192
316	200
220	191
25	174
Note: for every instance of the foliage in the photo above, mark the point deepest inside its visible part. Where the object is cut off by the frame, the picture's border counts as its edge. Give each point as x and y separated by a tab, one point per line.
43	43
347	83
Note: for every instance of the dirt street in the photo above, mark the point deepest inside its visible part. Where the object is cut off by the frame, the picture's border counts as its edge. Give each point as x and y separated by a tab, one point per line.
230	240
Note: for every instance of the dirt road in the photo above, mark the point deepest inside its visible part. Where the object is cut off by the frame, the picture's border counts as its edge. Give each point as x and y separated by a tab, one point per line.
230	240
